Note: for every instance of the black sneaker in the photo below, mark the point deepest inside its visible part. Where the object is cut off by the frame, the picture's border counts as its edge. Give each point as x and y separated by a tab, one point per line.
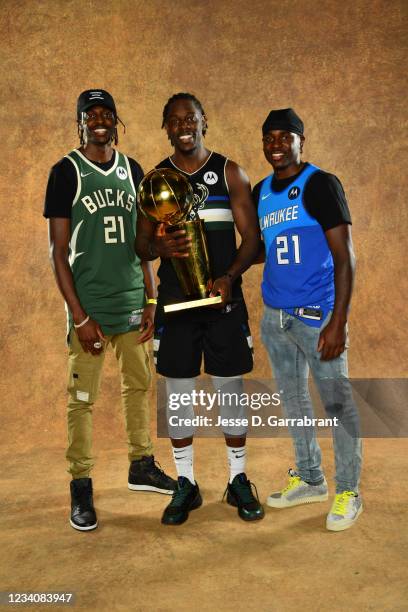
146	475
239	494
185	498
83	515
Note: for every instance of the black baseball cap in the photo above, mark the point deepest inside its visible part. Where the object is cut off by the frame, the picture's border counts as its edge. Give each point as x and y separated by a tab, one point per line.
283	119
95	97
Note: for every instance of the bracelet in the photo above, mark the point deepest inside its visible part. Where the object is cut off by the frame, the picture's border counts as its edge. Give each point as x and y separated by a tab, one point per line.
151	301
83	323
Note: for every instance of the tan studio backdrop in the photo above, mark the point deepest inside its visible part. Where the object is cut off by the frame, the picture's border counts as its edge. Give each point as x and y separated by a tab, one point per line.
342	66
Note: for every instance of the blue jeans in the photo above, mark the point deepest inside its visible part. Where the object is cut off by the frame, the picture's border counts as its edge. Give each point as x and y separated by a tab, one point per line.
292	345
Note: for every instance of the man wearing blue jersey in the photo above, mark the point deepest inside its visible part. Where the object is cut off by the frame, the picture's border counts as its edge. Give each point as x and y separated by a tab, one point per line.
306	288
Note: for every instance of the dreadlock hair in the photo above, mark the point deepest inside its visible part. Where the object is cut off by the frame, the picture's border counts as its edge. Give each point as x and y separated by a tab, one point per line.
80	126
182	96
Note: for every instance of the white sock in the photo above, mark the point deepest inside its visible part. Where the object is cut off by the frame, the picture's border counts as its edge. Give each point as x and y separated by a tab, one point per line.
183	458
236	460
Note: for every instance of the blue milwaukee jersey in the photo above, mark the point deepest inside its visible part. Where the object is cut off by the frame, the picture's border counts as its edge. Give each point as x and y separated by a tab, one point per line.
299	270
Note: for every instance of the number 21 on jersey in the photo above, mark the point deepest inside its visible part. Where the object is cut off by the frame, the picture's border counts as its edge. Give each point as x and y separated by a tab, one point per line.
288	249
112	230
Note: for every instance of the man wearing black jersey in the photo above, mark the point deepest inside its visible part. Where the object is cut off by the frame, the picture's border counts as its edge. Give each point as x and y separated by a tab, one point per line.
306	288
222	198
109	294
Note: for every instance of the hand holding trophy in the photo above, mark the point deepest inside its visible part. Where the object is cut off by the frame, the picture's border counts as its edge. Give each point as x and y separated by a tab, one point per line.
165	196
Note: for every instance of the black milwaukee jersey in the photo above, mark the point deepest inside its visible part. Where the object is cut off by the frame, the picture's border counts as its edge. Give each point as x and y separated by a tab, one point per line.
212	205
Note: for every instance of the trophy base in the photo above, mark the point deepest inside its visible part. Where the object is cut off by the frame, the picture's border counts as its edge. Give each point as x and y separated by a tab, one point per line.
193	304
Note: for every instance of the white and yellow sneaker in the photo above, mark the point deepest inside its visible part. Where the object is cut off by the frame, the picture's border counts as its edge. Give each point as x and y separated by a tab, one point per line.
345	510
298	492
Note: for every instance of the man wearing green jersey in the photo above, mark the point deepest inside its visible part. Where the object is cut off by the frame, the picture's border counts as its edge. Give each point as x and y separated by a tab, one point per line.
109	294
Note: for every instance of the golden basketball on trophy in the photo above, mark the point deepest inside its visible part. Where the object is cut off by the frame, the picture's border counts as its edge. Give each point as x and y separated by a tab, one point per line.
166	196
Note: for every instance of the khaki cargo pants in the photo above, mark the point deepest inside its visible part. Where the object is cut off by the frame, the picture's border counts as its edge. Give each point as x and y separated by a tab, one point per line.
84	376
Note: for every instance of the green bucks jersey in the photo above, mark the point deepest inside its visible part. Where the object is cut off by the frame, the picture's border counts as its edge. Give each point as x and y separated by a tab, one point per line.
107	274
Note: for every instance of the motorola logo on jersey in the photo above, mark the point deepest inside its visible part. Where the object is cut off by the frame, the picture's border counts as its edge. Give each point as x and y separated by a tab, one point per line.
121	173
210	178
293	193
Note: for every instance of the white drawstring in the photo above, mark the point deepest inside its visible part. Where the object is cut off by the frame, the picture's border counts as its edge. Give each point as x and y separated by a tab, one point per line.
281	320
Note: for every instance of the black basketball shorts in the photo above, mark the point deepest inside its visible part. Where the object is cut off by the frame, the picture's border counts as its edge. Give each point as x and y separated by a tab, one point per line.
224	339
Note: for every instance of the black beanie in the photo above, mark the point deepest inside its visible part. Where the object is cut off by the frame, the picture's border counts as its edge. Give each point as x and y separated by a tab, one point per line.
283	119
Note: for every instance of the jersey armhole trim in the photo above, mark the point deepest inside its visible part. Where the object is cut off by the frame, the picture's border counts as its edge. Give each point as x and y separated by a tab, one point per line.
225	175
129	173
79	185
314	170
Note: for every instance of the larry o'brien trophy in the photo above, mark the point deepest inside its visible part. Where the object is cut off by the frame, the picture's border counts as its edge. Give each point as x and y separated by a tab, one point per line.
166	196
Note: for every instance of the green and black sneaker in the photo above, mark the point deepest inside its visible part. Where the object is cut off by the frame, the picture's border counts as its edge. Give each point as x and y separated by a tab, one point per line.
186	497
239	494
